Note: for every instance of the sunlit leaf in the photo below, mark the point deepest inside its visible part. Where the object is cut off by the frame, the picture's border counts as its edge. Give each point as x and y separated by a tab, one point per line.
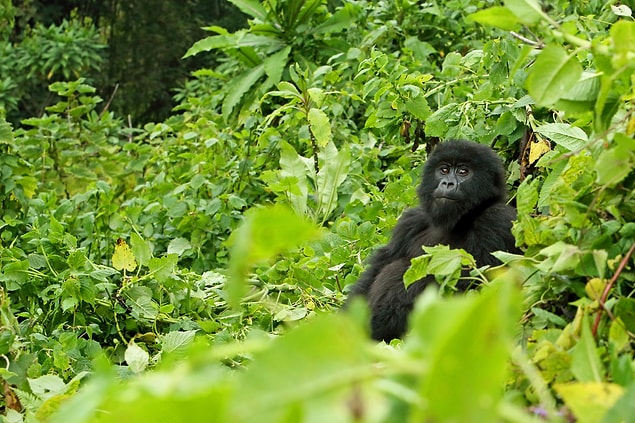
465	343
136	357
527	11
264	233
498	16
320	126
552	75
123	259
589	401
565	135
178	246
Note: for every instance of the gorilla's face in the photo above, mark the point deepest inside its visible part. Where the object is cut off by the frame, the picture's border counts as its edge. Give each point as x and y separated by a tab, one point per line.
458	178
450	179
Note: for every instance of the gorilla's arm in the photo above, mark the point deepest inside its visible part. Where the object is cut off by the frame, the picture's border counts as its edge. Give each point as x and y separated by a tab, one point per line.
411	223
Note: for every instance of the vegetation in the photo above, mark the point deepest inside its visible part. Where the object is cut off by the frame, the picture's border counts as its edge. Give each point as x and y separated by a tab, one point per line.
192	269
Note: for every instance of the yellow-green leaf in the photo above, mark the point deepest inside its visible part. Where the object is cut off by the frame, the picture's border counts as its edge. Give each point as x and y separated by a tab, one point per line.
123	259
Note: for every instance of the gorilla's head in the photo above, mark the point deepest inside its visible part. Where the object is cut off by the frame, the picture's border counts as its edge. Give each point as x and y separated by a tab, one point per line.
460	177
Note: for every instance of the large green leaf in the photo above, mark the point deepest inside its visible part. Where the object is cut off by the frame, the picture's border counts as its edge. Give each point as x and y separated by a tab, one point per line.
586	365
497	16
312	371
264	233
616	163
569	137
292	165
465	344
527	11
553	75
320	126
335	165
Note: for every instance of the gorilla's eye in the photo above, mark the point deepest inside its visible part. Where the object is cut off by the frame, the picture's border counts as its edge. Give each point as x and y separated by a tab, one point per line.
444	169
463	171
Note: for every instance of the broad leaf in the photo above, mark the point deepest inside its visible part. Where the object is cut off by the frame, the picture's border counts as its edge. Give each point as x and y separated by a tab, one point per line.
586	365
265	232
335	165
140	249
320	126
123	259
565	135
136	357
527	11
498	16
291	165
553	75
178	246
464	345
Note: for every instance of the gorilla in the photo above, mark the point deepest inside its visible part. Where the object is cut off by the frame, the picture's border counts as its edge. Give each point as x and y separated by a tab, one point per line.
462	204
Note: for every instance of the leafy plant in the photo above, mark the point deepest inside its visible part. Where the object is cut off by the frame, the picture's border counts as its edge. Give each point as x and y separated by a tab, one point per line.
281	32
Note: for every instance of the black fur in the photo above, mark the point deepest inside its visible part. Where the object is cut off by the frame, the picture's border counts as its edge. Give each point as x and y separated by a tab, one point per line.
462	199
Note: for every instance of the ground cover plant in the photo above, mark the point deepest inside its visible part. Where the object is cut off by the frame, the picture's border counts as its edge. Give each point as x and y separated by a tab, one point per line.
193	269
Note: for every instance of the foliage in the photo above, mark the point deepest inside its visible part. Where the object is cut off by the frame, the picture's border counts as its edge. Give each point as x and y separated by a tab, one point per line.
45	55
281	32
191	267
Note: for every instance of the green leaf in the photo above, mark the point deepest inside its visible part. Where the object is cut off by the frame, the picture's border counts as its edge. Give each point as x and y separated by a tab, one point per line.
624	408
264	233
625	310
343	18
140	249
586	365
582	96
623	37
275	65
252	8
291	165
310	370
616	163
465	343
442	262
553	75
527	11
239	87
565	135
320	126
497	16
177	340
141	302
162	268
136	357
438	123
47	386
418	107
123	259
178	246
333	172
211	43
15	274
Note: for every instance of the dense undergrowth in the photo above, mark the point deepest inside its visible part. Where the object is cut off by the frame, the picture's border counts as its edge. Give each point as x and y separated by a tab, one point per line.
191	270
